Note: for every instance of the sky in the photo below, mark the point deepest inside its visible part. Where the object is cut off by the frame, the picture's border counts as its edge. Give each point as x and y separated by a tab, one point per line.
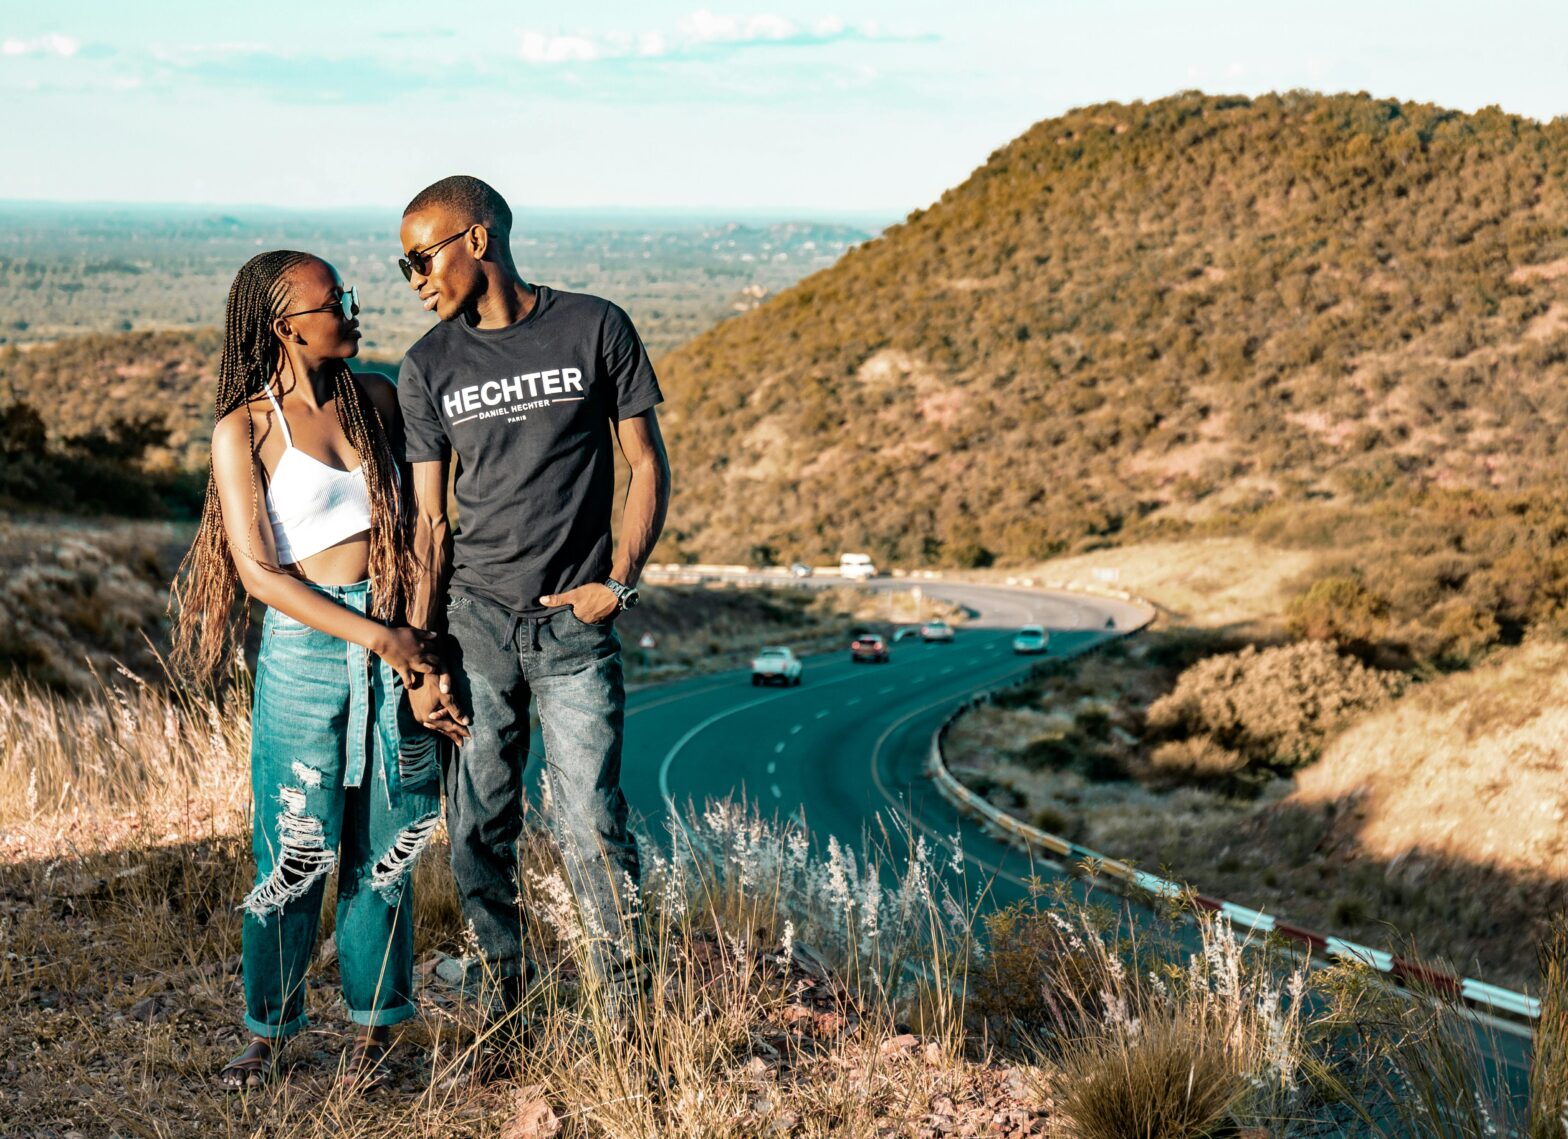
817	109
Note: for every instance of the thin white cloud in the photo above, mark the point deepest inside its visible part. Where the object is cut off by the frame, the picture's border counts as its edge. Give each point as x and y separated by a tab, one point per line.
703	26
52	44
701	33
537	47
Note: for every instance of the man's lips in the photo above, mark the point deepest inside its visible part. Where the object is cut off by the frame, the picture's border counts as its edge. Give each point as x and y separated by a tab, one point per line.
430	301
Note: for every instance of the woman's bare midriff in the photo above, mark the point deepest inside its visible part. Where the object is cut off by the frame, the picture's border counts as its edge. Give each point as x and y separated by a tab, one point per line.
343	564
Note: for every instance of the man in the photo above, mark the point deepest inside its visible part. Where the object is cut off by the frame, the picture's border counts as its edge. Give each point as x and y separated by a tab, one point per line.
527	387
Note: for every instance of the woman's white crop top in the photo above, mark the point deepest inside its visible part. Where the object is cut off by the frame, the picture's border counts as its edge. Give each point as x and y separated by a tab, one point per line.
312	506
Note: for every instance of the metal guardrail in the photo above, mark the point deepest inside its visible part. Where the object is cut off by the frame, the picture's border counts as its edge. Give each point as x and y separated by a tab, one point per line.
1493	998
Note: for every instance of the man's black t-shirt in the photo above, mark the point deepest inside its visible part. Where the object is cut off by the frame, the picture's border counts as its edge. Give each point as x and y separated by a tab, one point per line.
526	409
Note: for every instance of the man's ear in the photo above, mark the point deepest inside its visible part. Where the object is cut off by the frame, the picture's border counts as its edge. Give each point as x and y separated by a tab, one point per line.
478	241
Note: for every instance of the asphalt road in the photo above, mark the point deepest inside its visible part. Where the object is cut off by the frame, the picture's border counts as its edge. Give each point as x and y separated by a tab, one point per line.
850	742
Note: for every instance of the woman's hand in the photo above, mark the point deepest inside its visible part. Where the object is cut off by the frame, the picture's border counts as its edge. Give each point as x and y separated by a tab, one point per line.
435	708
409	651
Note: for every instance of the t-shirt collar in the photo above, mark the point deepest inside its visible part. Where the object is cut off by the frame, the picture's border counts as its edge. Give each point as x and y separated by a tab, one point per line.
542	295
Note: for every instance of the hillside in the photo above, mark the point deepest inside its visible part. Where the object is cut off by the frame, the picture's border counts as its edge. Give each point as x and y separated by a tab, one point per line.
88	383
1169	315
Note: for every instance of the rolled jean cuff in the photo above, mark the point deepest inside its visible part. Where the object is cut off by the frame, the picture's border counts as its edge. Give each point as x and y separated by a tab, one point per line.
273	1031
381	1017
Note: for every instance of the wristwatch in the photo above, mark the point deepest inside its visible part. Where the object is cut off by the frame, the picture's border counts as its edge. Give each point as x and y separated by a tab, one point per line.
626	594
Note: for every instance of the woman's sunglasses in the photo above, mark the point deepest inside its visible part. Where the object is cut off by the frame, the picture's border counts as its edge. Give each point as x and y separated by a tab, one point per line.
346	304
418	260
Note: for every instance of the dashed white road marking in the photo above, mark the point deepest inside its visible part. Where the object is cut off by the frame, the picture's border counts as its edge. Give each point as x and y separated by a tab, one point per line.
884	691
774	787
852	702
772	767
945	671
795	730
822	715
778	748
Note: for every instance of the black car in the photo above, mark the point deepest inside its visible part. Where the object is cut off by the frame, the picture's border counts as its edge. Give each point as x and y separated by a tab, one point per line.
870	647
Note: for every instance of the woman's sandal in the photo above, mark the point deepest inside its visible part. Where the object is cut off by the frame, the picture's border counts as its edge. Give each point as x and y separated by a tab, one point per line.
251	1069
367	1069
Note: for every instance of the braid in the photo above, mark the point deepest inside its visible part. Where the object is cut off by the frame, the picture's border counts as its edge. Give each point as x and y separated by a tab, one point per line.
206	587
392	568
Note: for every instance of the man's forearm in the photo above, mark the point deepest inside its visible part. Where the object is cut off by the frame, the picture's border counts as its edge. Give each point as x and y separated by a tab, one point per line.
642	520
433	557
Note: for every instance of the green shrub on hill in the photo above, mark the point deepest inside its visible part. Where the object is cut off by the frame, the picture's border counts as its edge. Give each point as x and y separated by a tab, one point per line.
1266	708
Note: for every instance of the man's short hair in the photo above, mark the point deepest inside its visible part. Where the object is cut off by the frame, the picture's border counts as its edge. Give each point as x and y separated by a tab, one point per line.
473	199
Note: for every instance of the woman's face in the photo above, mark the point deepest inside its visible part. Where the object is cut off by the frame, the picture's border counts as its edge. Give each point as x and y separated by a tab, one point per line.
314	313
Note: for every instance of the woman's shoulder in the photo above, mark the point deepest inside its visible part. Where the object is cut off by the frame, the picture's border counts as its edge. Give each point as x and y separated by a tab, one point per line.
235	428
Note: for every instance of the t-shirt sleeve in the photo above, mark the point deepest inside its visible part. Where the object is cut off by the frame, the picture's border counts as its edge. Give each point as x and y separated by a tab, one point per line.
627	365
425	438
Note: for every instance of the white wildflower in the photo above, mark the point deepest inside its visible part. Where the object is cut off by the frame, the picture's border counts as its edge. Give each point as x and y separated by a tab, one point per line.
838	883
870	908
560	910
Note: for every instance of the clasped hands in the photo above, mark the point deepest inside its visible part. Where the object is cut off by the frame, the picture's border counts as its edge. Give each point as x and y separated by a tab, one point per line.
414	654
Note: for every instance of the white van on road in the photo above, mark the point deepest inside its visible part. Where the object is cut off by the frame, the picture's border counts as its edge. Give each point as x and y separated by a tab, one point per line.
856	567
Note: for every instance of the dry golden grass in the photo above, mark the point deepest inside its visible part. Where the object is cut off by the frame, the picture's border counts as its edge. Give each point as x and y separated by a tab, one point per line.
1472	766
785	980
128	765
75	597
1205	583
125	852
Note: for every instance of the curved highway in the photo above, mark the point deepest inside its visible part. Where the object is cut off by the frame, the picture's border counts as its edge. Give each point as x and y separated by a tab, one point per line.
851	741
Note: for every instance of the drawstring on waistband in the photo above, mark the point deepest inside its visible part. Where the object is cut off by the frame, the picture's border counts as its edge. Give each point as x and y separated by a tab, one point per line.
534	624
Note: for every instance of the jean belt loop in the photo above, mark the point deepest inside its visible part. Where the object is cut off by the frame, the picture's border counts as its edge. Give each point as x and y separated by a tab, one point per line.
537	621
509	638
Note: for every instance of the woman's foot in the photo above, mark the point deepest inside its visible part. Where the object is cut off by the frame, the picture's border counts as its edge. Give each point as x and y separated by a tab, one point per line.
367	1060
252	1068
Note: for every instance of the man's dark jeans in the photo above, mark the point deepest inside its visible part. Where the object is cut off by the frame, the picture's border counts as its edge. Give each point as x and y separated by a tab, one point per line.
574	669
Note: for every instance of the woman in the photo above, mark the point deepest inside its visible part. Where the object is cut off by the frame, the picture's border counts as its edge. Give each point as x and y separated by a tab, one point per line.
303	509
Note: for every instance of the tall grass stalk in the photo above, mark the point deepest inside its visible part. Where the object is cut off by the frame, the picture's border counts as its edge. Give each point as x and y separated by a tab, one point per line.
1549	1058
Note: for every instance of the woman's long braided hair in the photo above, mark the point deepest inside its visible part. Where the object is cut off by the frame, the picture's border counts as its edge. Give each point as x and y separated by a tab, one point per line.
207	585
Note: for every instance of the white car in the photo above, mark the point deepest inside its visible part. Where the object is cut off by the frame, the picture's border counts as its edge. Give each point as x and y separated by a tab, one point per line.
936	631
775	665
1031	639
856	567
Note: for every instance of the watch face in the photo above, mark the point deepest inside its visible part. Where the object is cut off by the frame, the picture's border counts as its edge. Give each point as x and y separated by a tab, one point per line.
630	598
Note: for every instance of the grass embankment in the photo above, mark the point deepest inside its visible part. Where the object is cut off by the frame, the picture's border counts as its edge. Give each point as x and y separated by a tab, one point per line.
1289	777
796	991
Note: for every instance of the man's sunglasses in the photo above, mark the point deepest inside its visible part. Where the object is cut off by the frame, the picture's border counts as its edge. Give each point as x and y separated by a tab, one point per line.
346	304
418	260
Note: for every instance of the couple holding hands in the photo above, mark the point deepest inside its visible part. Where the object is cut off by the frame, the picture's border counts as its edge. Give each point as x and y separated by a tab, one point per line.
397	663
